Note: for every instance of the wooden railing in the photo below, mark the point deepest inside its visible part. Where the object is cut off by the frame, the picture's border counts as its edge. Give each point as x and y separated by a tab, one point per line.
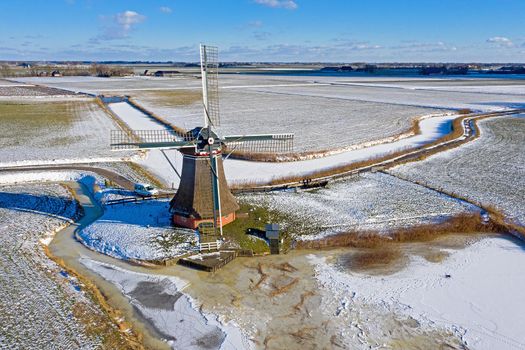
137	199
208	246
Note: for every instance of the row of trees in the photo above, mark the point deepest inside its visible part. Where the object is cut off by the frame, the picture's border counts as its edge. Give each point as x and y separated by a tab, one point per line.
97	70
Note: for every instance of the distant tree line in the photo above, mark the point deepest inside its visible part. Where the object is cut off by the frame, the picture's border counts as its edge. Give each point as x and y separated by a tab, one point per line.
97	70
444	70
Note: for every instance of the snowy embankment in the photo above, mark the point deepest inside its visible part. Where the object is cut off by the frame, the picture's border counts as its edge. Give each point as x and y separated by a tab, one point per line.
370	202
156	161
480	301
171	313
138	231
488	170
238	171
14	177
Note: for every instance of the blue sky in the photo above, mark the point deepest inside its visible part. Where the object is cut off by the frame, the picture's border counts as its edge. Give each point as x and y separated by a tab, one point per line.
265	30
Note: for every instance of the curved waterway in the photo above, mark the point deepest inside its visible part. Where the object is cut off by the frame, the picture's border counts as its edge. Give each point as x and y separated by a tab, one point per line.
150	298
66	247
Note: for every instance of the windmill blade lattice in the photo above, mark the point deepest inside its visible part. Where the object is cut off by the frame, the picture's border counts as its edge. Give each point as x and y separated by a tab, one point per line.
210	84
144	139
272	143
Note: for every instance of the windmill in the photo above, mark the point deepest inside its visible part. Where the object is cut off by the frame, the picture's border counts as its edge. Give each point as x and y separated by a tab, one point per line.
203	200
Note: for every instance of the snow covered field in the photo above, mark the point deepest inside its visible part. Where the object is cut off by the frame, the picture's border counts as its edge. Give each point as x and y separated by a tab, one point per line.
489	170
373	201
480	302
484	86
40	304
323	112
481	99
319	123
239	171
139	231
174	315
38	132
125	85
14	90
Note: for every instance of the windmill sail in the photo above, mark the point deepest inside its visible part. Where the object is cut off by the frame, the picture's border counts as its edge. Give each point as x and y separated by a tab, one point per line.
148	139
210	84
268	143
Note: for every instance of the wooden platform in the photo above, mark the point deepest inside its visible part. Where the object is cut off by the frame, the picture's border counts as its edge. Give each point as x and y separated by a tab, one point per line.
210	262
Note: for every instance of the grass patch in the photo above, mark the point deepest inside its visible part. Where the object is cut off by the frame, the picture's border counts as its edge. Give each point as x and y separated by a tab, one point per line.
257	217
236	231
371	258
23	123
463	224
171	98
97	325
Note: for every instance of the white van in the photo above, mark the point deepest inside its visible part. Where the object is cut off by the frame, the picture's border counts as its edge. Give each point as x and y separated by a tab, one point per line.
145	190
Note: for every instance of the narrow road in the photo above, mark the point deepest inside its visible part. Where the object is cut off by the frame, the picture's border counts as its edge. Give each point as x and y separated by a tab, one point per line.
108	174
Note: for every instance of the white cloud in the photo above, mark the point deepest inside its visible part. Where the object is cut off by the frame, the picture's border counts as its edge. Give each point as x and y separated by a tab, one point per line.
120	25
501	41
128	19
165	9
287	4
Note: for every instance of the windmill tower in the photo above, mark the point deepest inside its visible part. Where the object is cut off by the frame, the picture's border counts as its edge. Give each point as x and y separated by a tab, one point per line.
203	200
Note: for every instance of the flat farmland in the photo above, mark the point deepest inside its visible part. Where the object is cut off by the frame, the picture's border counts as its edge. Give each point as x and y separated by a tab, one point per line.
484	85
409	95
318	122
489	170
126	85
324	112
31	131
13	90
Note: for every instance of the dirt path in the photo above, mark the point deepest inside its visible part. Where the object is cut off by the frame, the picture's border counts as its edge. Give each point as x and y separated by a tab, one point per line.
108	174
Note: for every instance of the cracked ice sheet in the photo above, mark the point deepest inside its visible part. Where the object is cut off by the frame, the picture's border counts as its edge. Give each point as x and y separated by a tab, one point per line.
173	314
479	300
